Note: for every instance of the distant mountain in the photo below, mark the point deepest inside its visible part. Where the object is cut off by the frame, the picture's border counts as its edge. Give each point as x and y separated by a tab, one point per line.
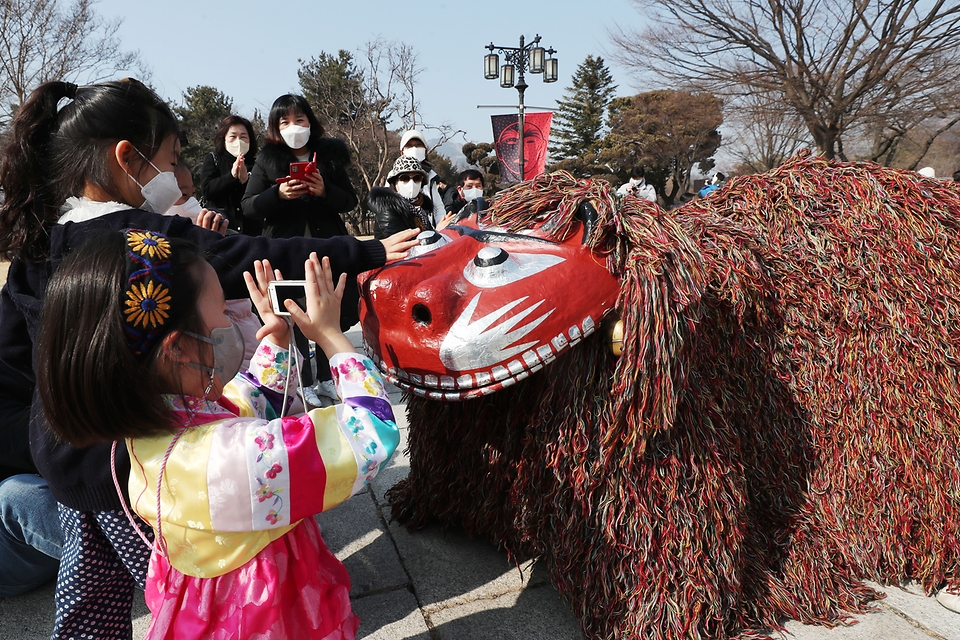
452	149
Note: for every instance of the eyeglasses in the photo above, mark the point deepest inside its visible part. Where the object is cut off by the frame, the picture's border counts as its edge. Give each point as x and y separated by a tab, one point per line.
407	177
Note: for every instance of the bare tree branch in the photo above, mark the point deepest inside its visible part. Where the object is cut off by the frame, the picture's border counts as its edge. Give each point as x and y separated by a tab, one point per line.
43	40
761	132
838	64
363	100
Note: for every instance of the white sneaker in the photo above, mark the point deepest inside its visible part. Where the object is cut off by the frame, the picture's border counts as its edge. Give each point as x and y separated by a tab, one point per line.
310	398
949	600
327	389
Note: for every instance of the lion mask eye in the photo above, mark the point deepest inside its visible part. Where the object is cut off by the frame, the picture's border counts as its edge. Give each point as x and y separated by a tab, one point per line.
428	241
494	267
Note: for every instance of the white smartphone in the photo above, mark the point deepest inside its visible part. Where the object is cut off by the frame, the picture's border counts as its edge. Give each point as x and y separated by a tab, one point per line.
282	290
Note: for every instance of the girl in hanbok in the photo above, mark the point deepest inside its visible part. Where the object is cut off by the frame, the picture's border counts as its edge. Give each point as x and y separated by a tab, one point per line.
229	483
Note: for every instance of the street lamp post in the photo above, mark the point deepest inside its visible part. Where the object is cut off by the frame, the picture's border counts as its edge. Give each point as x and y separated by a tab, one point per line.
530	57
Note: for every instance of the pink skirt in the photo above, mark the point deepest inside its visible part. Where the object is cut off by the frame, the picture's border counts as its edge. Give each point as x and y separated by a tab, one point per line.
294	588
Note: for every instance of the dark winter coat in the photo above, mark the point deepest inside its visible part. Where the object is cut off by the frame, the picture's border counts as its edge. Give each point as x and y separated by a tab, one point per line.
289	218
16	383
223	192
393	213
452	202
80	478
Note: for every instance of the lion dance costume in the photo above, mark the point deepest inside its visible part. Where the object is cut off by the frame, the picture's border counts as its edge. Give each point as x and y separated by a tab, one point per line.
782	422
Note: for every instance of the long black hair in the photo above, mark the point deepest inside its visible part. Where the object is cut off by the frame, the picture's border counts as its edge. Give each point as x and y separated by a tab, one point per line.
92	386
52	154
284	106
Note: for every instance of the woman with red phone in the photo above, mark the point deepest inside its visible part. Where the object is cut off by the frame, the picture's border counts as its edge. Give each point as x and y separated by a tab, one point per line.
301	206
310	206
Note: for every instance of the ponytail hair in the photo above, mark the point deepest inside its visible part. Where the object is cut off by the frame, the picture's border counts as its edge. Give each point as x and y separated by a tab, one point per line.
52	153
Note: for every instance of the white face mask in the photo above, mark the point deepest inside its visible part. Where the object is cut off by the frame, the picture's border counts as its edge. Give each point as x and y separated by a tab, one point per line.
238	146
636	181
409	189
417	153
189	209
472	194
296	136
161	192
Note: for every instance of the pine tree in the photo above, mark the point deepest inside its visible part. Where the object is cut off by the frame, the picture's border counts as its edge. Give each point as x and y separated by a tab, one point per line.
579	116
333	86
667	132
204	107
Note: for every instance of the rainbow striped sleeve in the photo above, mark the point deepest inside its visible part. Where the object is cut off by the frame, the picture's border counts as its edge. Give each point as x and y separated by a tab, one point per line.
296	467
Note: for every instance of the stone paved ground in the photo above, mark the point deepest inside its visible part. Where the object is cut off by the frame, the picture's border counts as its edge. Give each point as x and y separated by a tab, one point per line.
433	585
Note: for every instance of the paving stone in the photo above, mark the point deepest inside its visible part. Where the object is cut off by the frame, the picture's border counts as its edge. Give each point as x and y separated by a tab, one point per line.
141	616
399	465
532	614
28	616
924	610
447	567
355	534
400	414
31	616
880	625
389	616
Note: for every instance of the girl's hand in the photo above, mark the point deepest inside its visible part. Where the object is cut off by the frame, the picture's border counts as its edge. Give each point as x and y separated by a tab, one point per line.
445	221
316	186
321	321
274	327
292	189
212	220
397	244
239	170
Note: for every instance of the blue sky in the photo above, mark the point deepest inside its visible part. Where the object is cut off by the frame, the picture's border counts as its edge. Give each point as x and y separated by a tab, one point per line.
249	50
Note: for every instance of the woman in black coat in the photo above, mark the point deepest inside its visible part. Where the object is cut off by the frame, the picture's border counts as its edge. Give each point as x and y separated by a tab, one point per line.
309	207
226	171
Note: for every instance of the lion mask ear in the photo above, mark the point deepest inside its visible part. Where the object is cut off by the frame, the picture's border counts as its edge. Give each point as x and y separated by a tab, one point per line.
616	338
586	213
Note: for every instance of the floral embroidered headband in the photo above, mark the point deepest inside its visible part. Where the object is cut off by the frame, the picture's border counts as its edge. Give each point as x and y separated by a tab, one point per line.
146	297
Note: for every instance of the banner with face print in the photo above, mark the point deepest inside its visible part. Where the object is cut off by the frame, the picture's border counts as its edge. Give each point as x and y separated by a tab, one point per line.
536	135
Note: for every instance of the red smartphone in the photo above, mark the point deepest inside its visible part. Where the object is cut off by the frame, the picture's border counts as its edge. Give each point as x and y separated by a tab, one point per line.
300	170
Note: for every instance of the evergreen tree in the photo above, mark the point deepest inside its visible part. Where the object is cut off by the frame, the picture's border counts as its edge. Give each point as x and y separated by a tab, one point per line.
341	96
443	166
579	116
665	131
333	86
204	107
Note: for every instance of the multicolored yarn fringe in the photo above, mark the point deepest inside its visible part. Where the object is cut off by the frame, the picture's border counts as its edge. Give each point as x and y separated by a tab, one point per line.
782	425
